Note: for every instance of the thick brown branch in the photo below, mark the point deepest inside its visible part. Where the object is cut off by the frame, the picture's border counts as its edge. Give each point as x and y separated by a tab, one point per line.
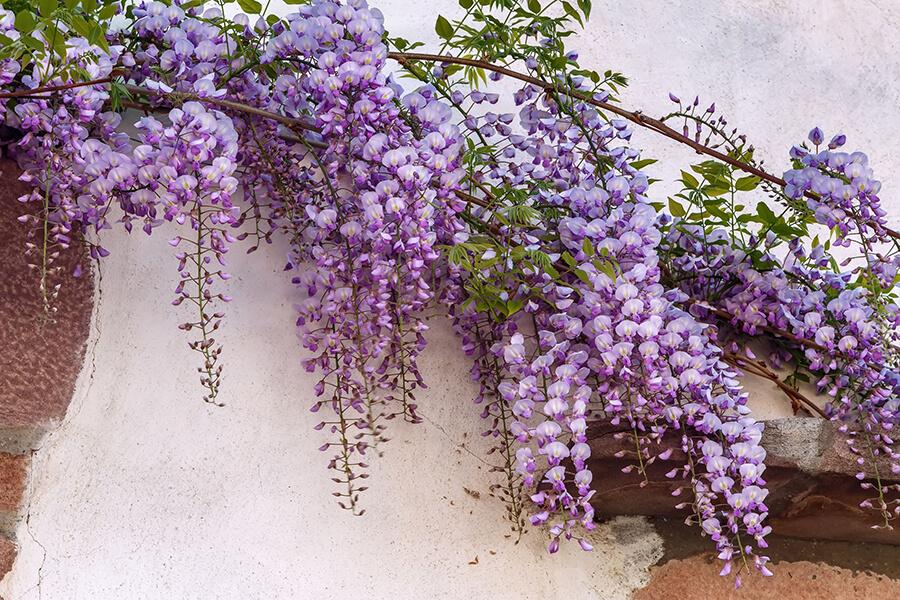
723	314
182	96
229	104
54	88
635	116
760	369
471	199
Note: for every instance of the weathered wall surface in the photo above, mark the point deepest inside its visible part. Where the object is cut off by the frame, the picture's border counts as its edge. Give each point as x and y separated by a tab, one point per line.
147	492
40	356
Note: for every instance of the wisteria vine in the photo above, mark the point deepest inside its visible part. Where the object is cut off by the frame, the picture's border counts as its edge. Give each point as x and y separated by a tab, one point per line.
578	294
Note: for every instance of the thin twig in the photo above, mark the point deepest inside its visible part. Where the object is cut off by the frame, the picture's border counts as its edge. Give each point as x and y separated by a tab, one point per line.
760	369
635	116
55	88
230	104
144	91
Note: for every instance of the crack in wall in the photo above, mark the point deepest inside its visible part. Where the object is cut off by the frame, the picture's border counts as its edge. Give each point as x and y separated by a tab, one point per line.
460	445
47	438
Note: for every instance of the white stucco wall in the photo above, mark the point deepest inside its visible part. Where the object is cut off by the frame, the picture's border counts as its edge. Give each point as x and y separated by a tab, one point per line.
146	492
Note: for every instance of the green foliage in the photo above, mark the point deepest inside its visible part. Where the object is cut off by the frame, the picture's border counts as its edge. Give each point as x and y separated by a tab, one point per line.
443	28
16	6
45	26
251	7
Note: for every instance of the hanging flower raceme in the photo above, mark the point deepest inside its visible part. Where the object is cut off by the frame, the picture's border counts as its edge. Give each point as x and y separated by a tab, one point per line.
9	68
187	171
842	339
535	229
386	177
858	370
59	134
603	337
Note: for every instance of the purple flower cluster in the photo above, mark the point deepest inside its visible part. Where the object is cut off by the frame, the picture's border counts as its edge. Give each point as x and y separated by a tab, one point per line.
56	133
556	266
841	342
386	182
842	192
83	167
9	68
605	338
837	330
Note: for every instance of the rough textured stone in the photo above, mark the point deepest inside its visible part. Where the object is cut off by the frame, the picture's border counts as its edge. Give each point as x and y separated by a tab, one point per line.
13	473
39	360
797	442
697	578
810	475
8	552
681	542
13	482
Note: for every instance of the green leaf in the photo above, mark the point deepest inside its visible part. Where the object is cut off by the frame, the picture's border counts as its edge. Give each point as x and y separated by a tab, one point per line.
466	4
644	162
25	21
443	28
451	69
251	7
786	231
34	44
766	216
689	180
81	26
117	92
716	211
587	248
710	168
676	209
570	10
59	42
108	12
609	269
514	306
534	6
747	184
585	6
96	36
47	7
715	190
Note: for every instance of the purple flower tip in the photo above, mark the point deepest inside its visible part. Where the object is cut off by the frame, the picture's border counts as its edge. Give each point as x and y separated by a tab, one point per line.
816	136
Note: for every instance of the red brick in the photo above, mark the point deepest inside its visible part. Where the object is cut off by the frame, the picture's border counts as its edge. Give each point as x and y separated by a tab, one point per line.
13	479
810	477
697	578
38	362
8	552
